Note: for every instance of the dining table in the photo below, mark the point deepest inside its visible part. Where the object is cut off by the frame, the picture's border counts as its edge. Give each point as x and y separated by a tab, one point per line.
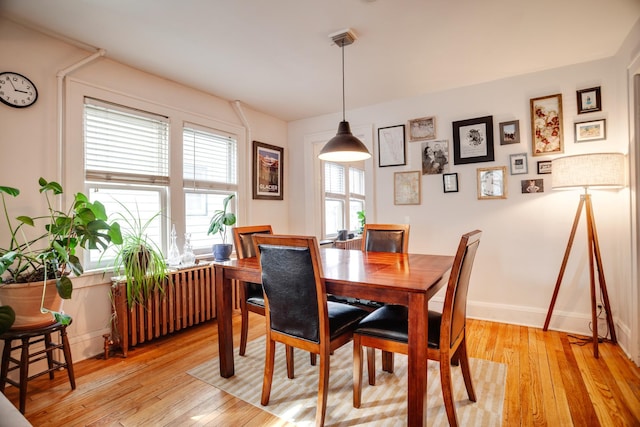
407	279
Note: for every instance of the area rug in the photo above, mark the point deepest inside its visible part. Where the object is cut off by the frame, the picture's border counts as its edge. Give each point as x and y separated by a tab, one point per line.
384	404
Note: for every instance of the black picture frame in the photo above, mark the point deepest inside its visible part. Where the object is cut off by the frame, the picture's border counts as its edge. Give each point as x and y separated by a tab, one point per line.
450	182
268	171
391	146
544	167
589	100
473	140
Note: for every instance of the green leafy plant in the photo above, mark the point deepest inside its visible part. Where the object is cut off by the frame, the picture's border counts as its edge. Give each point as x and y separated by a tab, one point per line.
222	219
362	219
52	254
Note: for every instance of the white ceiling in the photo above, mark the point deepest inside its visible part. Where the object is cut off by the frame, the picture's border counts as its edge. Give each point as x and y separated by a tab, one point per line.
276	55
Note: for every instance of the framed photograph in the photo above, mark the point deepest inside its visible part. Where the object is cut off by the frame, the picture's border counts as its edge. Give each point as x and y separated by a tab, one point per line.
544	166
546	125
492	183
473	140
268	171
391	150
589	100
594	130
423	128
406	188
510	132
435	157
532	186
450	182
519	164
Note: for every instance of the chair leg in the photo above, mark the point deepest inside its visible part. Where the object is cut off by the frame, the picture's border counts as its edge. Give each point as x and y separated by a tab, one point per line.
47	344
371	365
4	370
267	379
447	390
66	350
463	357
357	371
323	389
24	373
289	358
313	359
387	361
244	328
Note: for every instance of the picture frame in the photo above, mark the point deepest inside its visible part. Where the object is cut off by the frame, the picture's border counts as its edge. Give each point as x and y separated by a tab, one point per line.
406	188
544	167
423	128
450	182
435	157
391	146
268	171
546	125
589	100
510	132
530	186
518	164
492	183
593	130
473	140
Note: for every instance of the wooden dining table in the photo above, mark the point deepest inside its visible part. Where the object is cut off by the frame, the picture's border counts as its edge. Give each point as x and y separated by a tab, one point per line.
407	279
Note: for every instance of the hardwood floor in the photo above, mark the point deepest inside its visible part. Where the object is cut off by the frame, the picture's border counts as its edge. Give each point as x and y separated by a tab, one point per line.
550	381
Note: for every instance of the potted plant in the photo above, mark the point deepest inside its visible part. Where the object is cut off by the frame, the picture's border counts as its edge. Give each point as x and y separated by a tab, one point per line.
362	219
29	264
220	220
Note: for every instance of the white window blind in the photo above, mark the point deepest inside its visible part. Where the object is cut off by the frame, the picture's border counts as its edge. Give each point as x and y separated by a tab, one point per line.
356	181
334	178
208	158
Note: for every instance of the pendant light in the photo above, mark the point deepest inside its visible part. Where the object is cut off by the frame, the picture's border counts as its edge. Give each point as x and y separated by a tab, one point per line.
344	147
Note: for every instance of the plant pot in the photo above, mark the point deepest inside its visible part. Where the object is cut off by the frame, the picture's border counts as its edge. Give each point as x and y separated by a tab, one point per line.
25	299
222	251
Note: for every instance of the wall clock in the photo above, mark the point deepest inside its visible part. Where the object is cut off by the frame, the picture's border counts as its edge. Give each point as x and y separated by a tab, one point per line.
17	90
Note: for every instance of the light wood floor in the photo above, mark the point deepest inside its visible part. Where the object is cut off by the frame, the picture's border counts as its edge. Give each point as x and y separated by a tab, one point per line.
550	381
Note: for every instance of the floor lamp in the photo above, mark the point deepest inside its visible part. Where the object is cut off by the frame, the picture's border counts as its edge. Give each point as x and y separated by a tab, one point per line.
598	170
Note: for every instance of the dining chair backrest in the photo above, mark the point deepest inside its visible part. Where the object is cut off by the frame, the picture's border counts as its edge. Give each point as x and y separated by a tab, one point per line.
293	285
386	238
455	301
243	239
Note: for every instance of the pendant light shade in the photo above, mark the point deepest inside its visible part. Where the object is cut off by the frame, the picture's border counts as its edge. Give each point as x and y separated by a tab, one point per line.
344	147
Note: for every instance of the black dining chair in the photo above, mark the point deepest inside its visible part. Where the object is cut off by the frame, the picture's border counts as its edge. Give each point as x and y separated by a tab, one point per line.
387	328
296	308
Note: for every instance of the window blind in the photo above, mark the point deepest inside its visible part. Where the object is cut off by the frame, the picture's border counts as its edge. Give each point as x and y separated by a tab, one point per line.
208	158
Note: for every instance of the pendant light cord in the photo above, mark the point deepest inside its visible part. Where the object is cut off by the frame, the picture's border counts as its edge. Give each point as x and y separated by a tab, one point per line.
343	105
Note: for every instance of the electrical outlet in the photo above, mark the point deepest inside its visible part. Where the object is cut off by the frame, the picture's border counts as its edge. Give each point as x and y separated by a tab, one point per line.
603	330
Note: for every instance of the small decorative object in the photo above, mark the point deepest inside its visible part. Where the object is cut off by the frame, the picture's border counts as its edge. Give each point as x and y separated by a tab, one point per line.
391	146
220	220
593	130
473	140
450	182
492	183
268	171
589	100
423	128
173	259
546	125
544	167
188	257
532	185
435	157
406	188
519	164
17	90
510	132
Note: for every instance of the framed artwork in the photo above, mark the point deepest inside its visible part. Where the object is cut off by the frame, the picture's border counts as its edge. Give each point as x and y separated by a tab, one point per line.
391	150
510	132
519	164
268	171
473	140
589	100
546	125
593	130
544	167
450	182
423	128
532	186
406	188
435	157
492	183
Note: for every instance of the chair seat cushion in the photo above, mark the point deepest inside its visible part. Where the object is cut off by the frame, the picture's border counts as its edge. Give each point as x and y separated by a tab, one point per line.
391	323
254	294
343	317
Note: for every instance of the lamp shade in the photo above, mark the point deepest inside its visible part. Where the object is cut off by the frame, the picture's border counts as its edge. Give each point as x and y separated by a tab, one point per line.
344	147
604	170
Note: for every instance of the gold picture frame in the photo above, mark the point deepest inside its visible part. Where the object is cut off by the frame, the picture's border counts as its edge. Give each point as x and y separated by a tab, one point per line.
492	183
547	134
406	188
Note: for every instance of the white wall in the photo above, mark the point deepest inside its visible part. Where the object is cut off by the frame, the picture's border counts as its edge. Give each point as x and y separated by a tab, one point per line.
525	236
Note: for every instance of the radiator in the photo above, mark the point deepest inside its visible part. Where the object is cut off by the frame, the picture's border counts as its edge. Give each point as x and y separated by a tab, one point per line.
188	299
355	243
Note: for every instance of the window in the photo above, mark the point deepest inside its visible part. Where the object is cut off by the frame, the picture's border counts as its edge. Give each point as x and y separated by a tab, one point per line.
344	196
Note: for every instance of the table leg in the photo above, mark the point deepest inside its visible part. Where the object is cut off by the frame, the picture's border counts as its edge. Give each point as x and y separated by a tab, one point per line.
417	360
224	317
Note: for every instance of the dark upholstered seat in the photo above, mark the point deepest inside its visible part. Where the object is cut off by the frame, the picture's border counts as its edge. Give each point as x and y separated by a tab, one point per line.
387	329
297	310
386	238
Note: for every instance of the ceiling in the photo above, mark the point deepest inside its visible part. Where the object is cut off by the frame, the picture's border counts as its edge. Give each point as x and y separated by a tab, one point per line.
276	56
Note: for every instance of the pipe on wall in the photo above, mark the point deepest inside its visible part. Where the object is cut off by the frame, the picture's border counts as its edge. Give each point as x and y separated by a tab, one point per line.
237	107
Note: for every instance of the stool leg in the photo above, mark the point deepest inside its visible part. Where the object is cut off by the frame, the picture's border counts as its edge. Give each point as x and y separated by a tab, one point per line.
66	349
24	373
48	350
6	353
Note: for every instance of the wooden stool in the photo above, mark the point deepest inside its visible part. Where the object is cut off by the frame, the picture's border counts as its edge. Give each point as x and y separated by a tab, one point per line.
29	337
